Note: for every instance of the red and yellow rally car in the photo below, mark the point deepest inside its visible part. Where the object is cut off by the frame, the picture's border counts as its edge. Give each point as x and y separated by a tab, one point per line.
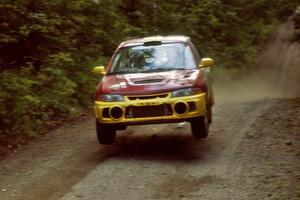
154	80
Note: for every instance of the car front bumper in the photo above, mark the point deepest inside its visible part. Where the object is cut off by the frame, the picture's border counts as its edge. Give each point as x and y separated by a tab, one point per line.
150	109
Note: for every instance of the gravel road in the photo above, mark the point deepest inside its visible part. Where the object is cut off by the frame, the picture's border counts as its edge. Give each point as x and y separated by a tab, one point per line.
252	152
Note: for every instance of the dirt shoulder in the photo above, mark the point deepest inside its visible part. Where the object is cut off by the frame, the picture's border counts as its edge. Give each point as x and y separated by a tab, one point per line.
269	155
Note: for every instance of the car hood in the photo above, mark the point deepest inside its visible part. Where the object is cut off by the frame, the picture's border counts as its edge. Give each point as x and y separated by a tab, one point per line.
148	83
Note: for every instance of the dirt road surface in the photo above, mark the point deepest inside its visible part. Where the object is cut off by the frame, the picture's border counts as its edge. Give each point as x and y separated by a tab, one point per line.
252	152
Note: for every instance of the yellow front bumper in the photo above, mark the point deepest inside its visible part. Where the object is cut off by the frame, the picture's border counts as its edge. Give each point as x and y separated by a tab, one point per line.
163	103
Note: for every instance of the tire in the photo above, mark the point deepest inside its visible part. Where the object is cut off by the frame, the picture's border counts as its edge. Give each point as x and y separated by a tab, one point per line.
209	115
106	133
200	127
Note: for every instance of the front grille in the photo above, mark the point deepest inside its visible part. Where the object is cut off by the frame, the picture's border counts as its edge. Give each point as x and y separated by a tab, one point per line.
148	111
147	97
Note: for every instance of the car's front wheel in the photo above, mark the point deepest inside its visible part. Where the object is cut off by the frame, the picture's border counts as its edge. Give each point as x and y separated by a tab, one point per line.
106	133
200	126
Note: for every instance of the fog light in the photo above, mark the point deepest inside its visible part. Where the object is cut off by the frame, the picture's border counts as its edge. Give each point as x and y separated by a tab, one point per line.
181	108
116	112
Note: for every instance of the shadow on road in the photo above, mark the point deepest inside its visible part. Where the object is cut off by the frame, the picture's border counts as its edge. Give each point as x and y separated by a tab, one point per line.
159	147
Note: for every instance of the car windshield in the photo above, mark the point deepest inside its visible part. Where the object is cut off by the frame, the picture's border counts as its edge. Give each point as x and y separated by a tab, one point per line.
143	59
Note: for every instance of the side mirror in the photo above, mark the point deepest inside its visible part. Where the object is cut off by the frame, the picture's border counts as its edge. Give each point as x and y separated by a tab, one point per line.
206	62
99	70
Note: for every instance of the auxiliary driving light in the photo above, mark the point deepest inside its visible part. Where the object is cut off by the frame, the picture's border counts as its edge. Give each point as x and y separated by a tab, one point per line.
116	112
181	108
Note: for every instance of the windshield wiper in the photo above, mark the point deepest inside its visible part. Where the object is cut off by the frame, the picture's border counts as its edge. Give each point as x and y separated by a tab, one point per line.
164	69
148	70
119	72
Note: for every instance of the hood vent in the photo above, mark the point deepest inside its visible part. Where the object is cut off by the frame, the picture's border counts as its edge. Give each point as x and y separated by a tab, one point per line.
147	81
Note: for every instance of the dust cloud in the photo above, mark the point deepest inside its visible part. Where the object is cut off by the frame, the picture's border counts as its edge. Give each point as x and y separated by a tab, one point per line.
277	74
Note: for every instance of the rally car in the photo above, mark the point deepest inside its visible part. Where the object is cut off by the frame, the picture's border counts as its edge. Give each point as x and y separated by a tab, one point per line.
160	79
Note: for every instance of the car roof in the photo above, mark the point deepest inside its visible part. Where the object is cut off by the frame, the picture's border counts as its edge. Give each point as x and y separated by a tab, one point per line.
157	38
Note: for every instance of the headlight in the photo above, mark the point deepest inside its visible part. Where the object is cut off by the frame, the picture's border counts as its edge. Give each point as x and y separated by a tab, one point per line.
110	97
186	92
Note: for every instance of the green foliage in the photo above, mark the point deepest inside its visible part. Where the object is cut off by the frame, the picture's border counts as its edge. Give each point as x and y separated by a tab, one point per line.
48	47
296	18
28	101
